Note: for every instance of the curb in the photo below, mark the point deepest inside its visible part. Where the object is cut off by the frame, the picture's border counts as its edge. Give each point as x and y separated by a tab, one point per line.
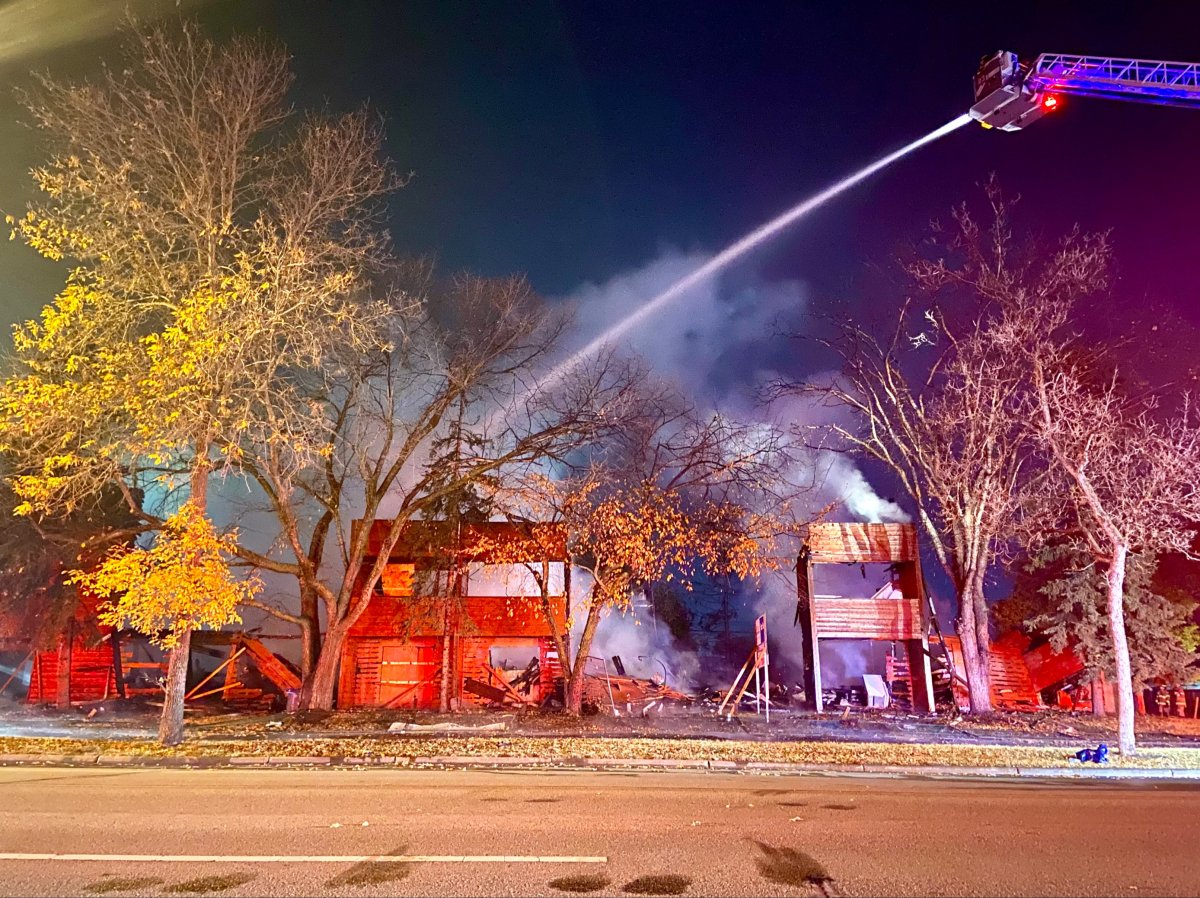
460	762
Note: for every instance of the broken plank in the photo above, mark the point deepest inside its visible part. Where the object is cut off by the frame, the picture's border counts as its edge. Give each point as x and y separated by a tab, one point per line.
483	690
516	696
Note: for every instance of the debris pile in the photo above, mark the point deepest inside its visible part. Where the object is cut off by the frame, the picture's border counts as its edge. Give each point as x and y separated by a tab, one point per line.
782	695
501	692
254	676
626	696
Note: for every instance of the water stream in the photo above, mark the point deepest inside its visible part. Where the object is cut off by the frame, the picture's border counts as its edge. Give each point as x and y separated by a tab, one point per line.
734	251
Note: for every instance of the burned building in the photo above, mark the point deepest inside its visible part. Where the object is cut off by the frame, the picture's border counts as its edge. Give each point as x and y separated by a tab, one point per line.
73	658
479	622
897	613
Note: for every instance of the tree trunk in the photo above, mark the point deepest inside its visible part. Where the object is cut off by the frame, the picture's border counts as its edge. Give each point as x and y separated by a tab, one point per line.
573	687
310	631
1116	624
1098	707
323	682
573	692
170	724
62	685
973	634
447	635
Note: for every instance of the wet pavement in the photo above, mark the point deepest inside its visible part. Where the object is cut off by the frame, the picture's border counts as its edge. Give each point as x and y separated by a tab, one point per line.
372	832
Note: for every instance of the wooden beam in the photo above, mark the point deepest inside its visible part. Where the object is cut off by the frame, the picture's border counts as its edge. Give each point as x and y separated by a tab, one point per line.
920	675
231	673
504	684
736	680
35	676
226	688
17	670
749	677
816	701
270	666
484	690
233	655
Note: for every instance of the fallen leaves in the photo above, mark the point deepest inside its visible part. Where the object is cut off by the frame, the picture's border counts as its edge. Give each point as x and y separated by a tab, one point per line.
559	748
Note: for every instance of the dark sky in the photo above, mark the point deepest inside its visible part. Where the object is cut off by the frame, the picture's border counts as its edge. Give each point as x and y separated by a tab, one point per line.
572	141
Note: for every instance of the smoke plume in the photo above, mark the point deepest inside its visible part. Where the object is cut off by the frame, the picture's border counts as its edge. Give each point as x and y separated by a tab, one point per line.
720	342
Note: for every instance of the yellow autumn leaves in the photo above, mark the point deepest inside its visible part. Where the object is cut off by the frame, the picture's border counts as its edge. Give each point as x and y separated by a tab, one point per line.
181	583
93	398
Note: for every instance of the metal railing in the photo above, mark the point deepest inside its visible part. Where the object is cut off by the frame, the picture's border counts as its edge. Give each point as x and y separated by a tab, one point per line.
1144	80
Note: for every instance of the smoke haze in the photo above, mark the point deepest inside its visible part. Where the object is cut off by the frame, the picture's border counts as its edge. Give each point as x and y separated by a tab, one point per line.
720	343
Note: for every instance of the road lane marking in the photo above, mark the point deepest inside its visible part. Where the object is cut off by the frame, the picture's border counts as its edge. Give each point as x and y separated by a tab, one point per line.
311	858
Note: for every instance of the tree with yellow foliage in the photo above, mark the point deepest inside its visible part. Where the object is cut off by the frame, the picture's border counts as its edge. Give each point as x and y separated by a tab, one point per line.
220	254
664	499
180	584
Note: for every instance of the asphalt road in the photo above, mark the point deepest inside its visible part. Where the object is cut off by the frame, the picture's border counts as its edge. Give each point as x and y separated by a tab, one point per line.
330	832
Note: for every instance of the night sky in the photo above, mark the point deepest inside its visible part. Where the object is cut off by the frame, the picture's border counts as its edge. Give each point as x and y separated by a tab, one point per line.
577	142
573	141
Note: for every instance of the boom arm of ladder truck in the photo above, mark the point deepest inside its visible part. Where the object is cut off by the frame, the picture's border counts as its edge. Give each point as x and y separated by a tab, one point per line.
1011	95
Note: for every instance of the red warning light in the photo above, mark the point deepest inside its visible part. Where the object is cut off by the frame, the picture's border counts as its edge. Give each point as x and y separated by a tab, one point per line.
1049	102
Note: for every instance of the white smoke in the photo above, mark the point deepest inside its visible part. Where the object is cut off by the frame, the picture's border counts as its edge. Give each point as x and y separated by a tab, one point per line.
712	341
644	644
850	487
646	649
719	344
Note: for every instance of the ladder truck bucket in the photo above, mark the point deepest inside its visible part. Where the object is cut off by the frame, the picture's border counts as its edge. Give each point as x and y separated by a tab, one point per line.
1002	99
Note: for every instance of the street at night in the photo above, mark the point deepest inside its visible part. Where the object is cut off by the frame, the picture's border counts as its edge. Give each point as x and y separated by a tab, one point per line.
680	833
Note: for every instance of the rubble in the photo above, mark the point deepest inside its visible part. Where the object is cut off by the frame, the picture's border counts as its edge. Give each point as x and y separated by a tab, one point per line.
625	696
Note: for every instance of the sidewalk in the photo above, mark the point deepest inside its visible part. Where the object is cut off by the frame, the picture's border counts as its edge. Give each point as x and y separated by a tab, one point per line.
589	752
1047	728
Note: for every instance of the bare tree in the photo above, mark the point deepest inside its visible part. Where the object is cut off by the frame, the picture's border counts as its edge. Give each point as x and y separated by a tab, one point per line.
1126	469
938	402
1061	592
469	385
1130	471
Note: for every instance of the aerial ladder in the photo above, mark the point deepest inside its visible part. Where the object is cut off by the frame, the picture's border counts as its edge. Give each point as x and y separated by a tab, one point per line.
1010	95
